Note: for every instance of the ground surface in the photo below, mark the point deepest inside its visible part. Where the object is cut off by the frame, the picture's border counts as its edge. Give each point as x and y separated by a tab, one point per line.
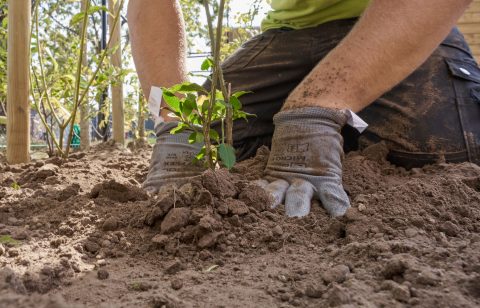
81	233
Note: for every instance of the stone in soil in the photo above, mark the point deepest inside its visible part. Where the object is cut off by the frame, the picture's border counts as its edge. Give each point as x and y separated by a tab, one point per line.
174	267
110	224
400	292
338	296
315	290
177	284
209	240
103	274
336	274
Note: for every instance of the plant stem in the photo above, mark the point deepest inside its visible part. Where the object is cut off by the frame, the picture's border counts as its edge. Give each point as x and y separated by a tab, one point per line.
79	101
78	76
43	119
229	117
42	71
217	72
213	91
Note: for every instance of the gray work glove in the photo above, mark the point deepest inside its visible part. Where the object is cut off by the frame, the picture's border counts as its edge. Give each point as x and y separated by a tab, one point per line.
172	158
306	161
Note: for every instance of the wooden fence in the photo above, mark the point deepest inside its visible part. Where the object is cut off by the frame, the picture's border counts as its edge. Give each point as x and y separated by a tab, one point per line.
470	26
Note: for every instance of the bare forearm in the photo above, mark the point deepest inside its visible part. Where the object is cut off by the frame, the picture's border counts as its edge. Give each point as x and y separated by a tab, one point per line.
390	41
158	42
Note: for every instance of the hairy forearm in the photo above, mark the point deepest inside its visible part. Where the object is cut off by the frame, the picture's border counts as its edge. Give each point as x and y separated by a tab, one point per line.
158	42
388	43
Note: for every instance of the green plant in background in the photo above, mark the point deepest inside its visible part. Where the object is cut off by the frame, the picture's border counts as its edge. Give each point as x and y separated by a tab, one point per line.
57	94
197	108
57	43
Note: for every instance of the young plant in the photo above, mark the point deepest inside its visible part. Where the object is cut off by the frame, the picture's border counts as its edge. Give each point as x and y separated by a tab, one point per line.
191	104
198	108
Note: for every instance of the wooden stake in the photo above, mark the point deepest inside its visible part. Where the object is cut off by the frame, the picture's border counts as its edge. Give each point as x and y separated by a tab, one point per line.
118	114
18	70
84	107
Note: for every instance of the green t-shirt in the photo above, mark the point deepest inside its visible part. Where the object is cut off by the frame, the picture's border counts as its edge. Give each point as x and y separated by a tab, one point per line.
299	14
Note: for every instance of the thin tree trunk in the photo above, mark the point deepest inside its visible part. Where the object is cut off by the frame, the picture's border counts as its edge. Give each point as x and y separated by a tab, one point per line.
18	107
84	108
118	115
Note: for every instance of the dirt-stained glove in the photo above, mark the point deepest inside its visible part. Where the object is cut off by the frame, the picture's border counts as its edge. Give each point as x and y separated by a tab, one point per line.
306	161
172	158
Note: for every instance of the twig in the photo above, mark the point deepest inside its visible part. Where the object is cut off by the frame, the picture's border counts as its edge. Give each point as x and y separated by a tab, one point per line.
79	101
229	117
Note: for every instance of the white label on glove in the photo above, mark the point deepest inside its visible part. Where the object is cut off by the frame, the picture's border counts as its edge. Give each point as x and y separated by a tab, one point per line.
154	102
356	122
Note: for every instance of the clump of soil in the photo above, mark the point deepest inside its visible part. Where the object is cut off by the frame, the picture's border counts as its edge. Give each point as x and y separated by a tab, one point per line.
210	212
81	232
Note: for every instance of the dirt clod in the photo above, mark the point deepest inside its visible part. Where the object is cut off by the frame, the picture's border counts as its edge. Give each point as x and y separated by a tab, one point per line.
336	274
177	284
110	224
176	219
411	238
103	274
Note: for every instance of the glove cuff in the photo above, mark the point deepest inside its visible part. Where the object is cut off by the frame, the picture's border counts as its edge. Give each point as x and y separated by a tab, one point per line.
315	113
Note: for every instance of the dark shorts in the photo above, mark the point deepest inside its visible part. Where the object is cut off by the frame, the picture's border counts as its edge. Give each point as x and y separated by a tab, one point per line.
433	115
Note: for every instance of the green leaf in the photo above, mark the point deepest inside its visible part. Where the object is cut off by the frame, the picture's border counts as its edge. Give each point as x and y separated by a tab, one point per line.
207	64
180	128
194	119
190	104
77	18
214	135
3	120
200	154
240	93
7	239
195	138
172	101
188	87
235	102
227	155
15	186
96	8
238	114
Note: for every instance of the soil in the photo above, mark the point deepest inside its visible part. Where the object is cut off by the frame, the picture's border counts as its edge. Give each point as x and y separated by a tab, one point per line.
82	233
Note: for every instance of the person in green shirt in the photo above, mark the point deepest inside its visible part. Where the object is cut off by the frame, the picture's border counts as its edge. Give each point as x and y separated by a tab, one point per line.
401	65
301	14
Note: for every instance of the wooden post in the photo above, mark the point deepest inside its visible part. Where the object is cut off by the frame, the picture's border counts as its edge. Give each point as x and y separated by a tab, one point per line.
118	115
84	108
18	83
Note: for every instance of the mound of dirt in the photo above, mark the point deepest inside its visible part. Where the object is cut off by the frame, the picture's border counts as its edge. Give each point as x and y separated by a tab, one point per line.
82	232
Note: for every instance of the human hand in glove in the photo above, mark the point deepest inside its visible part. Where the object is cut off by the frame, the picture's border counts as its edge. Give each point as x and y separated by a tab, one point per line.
172	158
306	161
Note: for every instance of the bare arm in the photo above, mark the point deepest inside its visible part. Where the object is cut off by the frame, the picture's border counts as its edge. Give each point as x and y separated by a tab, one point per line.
158	42
388	43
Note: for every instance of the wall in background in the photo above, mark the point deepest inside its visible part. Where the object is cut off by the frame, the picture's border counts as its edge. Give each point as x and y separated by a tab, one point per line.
470	26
